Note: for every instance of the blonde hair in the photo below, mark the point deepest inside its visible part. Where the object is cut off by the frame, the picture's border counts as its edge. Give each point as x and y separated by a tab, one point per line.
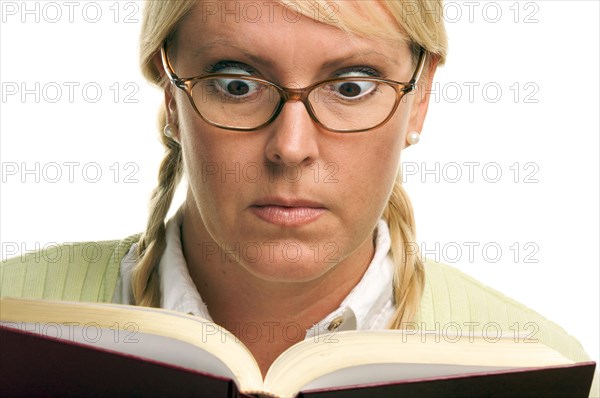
417	23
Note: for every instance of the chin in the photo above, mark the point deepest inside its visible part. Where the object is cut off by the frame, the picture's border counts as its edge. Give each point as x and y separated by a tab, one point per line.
288	269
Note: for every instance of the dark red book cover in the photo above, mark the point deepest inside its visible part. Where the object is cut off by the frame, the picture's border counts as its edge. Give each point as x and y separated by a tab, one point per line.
34	365
565	381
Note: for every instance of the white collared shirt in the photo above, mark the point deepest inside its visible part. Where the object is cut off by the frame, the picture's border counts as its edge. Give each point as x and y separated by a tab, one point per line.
369	306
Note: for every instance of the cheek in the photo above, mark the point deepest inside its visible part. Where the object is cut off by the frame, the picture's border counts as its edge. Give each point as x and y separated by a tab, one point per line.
212	166
378	160
374	169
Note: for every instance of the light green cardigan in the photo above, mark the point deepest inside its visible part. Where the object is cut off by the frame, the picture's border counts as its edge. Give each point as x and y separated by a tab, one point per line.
451	300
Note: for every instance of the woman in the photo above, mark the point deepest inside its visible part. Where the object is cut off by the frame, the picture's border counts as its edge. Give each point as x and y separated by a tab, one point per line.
277	203
284	231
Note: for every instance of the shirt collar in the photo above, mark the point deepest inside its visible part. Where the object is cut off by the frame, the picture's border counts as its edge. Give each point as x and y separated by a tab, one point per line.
367	306
370	304
178	291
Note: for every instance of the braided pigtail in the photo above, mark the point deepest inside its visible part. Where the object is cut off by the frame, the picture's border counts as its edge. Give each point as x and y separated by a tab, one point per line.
409	276
146	289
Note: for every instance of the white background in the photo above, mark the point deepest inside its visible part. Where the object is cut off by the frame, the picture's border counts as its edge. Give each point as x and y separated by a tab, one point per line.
550	130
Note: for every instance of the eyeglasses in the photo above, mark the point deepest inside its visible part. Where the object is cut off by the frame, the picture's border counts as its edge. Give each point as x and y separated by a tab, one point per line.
246	103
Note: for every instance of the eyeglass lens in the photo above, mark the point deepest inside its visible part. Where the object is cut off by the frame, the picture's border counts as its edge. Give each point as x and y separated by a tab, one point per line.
339	105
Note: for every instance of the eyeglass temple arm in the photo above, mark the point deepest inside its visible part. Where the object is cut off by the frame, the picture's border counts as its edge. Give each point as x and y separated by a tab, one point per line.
415	79
168	68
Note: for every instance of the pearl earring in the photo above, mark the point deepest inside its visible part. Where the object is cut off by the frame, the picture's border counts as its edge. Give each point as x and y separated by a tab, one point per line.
170	130
413	137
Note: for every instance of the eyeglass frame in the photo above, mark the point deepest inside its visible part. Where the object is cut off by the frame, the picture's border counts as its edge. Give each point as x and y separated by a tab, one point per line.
292	94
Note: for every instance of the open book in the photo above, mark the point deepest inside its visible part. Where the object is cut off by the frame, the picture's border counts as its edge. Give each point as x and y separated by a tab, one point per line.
64	347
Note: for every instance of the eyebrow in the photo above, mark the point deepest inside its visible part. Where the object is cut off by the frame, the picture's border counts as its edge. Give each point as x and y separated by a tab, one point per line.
330	64
225	43
336	61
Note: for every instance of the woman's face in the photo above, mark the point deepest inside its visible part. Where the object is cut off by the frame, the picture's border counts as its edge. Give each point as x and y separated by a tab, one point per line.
290	201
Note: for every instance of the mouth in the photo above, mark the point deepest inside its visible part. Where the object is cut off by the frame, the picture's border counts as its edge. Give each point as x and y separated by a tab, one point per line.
287	212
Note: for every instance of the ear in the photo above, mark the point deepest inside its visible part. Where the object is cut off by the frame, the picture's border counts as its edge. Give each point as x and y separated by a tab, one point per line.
421	101
170	104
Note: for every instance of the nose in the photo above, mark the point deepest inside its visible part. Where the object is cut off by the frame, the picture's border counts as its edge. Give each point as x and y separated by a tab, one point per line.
293	137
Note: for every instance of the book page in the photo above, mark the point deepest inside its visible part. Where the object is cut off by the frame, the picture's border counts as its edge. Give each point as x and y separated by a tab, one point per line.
391	372
198	335
309	361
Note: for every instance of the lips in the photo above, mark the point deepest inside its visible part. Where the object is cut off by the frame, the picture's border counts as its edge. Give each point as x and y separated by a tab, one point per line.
287	212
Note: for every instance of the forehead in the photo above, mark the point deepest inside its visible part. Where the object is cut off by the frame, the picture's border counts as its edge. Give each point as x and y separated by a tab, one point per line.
332	12
279	33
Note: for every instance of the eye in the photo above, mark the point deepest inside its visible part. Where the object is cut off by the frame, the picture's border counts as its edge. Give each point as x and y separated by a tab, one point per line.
354	89
236	87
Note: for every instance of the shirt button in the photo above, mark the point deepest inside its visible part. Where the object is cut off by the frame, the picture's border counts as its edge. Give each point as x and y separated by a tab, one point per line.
335	323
